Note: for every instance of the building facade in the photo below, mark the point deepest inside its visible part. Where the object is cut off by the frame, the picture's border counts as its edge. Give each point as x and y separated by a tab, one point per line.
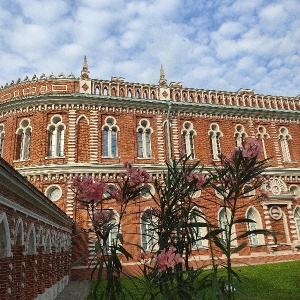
35	240
55	127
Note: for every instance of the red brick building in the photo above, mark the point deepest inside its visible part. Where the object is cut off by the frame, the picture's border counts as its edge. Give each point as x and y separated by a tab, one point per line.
55	127
35	240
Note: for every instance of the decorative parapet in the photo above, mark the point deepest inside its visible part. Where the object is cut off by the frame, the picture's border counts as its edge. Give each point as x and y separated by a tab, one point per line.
118	87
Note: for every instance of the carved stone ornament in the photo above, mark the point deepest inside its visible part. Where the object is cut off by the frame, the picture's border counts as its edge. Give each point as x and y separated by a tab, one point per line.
275	212
85	87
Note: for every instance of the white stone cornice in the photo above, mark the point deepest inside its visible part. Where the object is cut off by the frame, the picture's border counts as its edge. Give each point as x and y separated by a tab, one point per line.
17	207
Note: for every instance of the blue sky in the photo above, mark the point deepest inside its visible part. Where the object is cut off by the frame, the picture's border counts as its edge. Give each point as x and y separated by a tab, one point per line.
207	44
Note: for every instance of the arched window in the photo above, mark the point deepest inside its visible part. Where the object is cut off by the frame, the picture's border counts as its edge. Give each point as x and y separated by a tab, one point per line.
152	95
23	140
145	95
254	239
239	135
129	94
2	136
223	224
263	135
56	132
224	221
5	242
144	132
284	138
188	134
105	92
297	221
137	93
109	138
31	241
148	234
198	230
111	228
215	134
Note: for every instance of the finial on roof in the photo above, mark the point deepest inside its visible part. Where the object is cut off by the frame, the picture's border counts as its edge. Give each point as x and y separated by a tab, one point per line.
85	70
162	78
85	64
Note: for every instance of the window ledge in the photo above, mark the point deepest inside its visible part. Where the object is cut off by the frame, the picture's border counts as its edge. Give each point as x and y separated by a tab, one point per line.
257	246
21	160
54	157
149	158
111	157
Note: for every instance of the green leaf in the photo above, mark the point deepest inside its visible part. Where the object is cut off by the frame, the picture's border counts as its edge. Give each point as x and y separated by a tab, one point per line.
243	220
79	260
123	251
97	246
120	238
238	248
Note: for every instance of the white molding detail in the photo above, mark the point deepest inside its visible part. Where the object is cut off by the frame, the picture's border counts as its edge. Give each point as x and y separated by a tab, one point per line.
28	212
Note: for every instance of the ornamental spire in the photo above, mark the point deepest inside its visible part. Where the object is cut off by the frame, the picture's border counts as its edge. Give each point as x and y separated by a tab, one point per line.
162	78
85	70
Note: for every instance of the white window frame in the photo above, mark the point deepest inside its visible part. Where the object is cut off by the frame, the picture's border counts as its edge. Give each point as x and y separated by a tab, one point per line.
200	231
24	131
296	216
215	134
148	235
56	131
144	132
240	135
111	130
254	239
113	233
2	137
188	134
263	135
224	217
284	138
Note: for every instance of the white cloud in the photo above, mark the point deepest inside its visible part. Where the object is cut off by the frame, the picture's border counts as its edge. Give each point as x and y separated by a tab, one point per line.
220	45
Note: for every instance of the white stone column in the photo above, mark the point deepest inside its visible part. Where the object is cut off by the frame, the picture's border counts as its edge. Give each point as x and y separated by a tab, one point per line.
94	136
72	136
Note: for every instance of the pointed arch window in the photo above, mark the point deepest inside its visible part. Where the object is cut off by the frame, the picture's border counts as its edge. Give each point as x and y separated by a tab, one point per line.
263	136
215	134
111	227
188	134
297	221
5	240
223	224
109	138
152	95
254	239
145	95
144	132
23	140
198	230
137	93
2	136
284	138
224	221
148	234
240	135
56	132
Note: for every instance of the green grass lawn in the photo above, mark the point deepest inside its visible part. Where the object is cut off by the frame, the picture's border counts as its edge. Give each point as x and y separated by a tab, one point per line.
276	281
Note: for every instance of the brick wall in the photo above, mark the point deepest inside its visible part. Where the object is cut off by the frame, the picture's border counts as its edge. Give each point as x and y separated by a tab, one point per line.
84	115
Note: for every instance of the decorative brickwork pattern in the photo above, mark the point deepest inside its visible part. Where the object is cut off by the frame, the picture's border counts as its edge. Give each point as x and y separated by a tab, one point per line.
101	120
